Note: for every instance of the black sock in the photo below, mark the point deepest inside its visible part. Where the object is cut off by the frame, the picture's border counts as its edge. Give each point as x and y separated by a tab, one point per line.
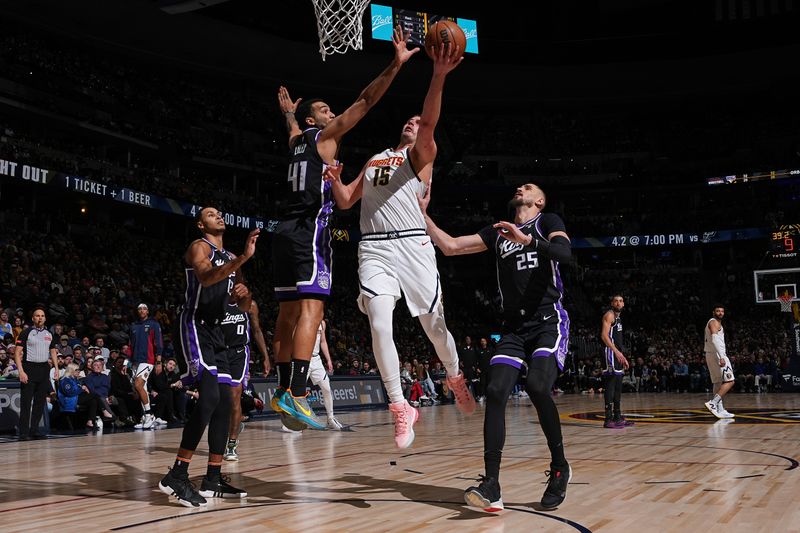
299	379
284	374
609	411
180	468
214	471
557	454
491	461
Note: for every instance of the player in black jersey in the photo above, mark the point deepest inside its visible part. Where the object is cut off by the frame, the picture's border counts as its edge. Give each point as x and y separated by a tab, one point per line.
238	329
301	243
535	335
212	281
616	363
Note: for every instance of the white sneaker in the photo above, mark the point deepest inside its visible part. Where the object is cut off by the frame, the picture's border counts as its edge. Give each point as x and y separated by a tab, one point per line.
161	422
148	419
334	424
726	414
714	408
98	423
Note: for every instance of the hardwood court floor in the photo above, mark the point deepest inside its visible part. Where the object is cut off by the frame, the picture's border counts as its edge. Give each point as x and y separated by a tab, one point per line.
675	470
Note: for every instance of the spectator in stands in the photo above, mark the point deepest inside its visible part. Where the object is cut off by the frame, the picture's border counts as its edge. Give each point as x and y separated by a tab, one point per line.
69	388
367	370
117	337
121	397
681	373
63	346
5	325
19	325
763	377
98	384
73	338
101	345
355	370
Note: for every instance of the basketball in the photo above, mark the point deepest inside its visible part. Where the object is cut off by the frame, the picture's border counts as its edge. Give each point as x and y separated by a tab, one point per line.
442	32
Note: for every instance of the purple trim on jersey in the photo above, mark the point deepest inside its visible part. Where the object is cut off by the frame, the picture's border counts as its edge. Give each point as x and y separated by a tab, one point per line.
322	279
242	380
509	360
563	319
530	220
190	344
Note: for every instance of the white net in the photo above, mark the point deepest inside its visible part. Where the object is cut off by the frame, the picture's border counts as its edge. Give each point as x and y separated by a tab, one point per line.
786	303
339	25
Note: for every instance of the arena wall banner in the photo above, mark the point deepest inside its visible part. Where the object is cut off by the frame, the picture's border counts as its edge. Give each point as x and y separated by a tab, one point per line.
114	193
349	392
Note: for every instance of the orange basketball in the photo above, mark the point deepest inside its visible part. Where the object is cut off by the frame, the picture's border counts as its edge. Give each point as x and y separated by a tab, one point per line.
443	32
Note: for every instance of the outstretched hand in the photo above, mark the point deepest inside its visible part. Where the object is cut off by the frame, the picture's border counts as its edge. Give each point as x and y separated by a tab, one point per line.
250	245
333	173
448	57
285	101
425	199
512	233
400	41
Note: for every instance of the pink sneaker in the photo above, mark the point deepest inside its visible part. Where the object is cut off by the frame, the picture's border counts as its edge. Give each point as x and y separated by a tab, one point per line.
464	400
405	417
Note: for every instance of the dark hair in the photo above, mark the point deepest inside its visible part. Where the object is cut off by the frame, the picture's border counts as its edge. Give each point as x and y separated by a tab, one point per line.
617	295
199	215
39	308
304	110
718	306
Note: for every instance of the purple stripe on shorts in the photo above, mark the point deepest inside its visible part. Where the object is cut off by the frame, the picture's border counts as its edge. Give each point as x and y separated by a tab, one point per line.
563	324
508	360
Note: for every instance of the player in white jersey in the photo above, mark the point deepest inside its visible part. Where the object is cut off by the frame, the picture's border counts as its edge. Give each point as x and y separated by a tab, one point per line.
719	366
318	373
395	254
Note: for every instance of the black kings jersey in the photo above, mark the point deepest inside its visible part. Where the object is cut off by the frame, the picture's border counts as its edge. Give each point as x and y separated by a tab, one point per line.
307	194
236	326
209	303
527	282
616	333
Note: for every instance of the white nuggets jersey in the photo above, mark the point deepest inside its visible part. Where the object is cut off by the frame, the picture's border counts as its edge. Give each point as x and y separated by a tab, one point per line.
389	195
708	345
315	351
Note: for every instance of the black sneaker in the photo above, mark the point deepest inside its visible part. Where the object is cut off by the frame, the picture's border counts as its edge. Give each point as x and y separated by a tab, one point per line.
220	489
182	489
486	495
556	489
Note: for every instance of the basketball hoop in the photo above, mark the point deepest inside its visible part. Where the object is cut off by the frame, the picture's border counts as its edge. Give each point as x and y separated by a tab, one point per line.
339	25
786	303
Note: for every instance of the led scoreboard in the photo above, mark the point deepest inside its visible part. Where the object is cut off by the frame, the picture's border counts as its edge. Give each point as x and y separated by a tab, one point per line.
385	18
785	241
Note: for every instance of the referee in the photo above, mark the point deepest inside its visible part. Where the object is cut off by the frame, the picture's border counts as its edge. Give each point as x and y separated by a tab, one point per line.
34	345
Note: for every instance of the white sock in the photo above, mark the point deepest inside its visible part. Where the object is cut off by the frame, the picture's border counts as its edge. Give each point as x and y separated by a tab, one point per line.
717	399
327	397
146	408
380	310
443	342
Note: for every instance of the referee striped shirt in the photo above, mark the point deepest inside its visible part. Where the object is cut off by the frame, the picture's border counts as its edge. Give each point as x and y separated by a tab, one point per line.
36	344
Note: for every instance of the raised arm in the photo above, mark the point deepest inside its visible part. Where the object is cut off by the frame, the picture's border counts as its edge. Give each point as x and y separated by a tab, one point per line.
258	335
345	195
328	141
208	274
424	151
288	109
468	244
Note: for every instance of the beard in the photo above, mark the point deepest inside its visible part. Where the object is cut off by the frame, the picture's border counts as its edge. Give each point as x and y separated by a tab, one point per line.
515	203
